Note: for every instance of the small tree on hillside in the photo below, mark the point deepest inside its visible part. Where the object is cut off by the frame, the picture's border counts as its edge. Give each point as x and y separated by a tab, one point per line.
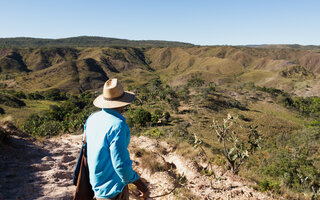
235	150
141	117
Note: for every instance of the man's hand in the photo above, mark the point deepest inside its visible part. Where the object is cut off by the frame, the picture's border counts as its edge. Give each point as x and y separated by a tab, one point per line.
143	189
144	195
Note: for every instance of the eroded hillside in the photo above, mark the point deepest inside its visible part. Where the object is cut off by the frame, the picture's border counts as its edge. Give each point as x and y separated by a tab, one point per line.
80	69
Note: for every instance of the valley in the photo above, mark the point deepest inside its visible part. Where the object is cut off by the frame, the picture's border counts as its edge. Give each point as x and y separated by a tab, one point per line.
183	91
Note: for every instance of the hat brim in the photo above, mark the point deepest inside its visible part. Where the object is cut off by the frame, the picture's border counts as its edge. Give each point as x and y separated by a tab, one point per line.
126	99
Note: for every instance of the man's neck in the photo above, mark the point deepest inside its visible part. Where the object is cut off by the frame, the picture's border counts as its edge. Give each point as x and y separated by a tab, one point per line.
119	110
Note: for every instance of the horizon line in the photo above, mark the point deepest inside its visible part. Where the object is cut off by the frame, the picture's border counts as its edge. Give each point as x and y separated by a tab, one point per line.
248	45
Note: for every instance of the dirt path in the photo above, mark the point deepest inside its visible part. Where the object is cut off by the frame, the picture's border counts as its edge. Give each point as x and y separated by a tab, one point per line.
38	170
43	170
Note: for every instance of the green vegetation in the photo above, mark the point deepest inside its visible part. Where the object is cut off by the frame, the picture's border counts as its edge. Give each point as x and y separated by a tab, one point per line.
236	150
11	101
84	41
140	117
70	116
179	92
2	111
294	164
308	105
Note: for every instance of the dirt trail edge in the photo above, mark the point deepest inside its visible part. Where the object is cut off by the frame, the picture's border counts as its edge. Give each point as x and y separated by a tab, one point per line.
43	170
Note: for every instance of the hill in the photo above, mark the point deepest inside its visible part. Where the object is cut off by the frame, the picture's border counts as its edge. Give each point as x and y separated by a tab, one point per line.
287	46
181	94
80	69
86	41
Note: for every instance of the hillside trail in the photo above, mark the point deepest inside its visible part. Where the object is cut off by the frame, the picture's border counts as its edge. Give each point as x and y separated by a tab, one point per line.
41	170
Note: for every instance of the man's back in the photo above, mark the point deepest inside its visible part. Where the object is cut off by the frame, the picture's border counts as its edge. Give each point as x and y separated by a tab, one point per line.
108	137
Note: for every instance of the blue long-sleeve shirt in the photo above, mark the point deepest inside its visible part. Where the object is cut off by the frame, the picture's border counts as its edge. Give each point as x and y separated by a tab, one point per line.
110	167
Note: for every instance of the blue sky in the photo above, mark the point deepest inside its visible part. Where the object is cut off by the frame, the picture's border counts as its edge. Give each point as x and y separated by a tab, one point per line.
204	22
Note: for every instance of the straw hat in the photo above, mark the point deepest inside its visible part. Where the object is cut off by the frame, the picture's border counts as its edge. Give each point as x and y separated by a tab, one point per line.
113	95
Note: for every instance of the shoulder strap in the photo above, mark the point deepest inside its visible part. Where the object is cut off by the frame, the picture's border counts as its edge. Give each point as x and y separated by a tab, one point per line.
85	138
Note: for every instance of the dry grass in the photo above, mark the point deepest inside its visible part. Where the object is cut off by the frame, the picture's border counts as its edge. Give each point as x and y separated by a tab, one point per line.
148	160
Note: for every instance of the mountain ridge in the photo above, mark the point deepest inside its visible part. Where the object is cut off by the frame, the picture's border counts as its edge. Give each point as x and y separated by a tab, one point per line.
79	69
86	41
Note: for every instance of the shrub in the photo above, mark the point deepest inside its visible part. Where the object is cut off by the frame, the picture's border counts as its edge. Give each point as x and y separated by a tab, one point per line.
69	116
32	123
20	95
156	116
307	105
314	123
141	117
184	94
166	115
35	96
49	128
294	162
235	150
195	82
2	111
54	95
11	101
174	103
269	185
154	133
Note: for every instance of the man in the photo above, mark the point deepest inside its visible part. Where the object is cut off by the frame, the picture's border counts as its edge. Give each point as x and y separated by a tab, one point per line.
108	137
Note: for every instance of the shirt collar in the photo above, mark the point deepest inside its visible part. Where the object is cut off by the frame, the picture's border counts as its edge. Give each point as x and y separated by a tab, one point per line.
114	113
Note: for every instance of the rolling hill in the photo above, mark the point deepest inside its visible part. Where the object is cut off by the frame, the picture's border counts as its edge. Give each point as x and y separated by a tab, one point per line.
80	69
192	86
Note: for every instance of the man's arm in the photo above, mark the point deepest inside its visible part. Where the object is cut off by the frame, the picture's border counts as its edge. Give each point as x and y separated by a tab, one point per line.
120	154
121	160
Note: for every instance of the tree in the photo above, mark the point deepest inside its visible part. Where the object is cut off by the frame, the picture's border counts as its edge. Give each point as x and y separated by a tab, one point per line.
235	150
141	117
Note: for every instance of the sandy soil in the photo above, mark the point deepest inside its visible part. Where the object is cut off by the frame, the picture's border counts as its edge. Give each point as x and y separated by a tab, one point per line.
43	170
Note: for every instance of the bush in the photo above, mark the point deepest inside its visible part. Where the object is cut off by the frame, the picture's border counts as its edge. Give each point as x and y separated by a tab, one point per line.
174	103
167	115
307	105
156	116
184	94
35	96
54	95
2	111
154	133
296	171
49	128
11	101
20	95
69	116
269	185
236	150
141	117
294	161
32	123
314	123
195	80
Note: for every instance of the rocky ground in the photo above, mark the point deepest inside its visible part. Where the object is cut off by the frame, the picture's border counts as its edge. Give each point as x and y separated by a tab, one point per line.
43	170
